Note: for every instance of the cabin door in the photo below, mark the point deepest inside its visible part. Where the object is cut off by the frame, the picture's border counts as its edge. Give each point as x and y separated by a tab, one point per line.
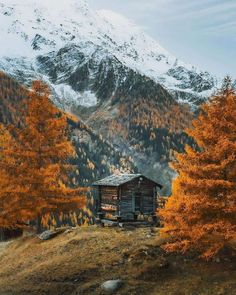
137	202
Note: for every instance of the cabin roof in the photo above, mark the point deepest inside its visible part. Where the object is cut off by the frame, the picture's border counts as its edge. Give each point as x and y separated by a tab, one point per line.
119	179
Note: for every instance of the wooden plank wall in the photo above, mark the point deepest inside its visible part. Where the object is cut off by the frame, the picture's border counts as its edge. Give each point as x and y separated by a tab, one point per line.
126	204
109	199
148	195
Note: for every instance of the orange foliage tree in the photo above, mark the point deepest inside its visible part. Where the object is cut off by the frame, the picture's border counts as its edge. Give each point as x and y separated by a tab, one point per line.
201	213
6	185
37	168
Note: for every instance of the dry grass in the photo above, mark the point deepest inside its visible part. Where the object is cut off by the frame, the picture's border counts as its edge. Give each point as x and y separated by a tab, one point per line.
78	262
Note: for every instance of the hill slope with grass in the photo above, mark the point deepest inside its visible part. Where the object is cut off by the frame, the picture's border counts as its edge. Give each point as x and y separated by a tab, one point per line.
79	261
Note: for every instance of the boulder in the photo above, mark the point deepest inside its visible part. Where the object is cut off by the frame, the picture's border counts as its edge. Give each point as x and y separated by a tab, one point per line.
48	234
111	286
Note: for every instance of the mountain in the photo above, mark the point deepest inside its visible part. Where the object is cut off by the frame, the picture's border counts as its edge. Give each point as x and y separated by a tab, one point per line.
133	96
58	42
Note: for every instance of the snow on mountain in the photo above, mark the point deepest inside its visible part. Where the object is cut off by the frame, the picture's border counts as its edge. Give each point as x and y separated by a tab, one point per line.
33	29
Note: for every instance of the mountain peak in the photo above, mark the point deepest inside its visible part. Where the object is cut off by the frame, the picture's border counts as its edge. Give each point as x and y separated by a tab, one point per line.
61	4
33	28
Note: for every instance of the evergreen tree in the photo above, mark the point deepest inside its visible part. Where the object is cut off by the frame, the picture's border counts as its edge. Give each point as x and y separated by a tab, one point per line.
36	158
201	213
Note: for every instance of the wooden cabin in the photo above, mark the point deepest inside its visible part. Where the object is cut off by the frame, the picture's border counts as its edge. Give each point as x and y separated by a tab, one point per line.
127	196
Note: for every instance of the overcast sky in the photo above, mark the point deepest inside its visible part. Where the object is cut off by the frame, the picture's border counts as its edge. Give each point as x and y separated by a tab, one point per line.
201	32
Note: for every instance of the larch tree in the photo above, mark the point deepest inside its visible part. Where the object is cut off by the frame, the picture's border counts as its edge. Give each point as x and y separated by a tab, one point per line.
7	199
39	162
201	213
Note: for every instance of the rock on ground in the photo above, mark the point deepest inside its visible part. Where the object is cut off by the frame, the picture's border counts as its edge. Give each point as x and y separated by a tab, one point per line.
48	234
111	285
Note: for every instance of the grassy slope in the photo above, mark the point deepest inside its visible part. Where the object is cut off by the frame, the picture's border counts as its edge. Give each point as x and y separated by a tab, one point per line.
79	261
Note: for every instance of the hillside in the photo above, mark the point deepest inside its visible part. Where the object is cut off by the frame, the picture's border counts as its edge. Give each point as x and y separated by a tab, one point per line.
149	125
11	96
96	156
146	131
79	261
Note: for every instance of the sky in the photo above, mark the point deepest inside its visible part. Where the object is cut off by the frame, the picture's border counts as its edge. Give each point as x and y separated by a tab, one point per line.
200	32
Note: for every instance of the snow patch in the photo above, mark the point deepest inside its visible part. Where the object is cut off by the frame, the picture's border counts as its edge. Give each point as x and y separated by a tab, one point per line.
89	99
71	97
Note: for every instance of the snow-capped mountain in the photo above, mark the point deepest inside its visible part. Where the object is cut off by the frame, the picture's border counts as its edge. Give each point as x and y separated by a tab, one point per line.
122	84
72	47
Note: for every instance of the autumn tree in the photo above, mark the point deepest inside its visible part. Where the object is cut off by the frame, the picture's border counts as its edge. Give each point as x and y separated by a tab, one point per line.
38	162
6	162
201	213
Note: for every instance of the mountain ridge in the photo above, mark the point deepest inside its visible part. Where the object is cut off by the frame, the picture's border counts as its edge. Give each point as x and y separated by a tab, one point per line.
46	30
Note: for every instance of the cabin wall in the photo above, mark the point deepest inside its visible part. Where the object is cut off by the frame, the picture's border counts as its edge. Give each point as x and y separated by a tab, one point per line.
147	191
148	197
109	200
